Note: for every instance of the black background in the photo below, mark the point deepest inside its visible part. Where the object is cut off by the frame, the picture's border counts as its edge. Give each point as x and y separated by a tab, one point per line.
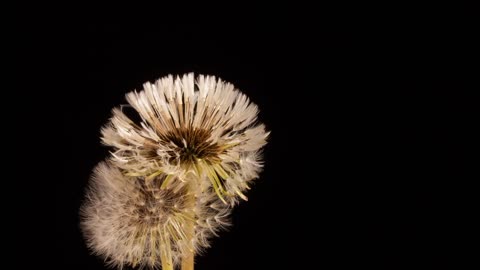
369	122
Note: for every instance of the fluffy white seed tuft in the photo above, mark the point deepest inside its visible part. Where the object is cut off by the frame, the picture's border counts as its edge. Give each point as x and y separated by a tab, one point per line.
129	221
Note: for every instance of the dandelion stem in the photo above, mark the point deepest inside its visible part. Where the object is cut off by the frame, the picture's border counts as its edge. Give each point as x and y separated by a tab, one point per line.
167	263
188	260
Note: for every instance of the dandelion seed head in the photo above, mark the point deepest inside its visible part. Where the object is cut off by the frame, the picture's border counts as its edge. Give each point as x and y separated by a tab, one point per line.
135	230
194	128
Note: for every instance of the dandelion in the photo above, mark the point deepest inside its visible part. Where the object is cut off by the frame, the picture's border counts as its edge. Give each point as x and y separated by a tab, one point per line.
174	174
132	222
203	127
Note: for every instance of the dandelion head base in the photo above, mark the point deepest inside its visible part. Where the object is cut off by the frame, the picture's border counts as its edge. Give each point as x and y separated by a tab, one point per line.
190	145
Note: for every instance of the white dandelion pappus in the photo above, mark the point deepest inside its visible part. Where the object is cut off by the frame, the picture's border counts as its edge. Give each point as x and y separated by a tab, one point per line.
190	130
129	221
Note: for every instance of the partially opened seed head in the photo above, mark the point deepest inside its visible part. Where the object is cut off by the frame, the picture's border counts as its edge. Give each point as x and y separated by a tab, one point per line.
200	126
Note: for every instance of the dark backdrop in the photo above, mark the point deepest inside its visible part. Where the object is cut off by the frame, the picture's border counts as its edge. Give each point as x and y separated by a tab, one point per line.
368	134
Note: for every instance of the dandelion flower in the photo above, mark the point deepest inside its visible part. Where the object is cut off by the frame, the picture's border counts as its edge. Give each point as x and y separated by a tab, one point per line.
129	221
191	130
